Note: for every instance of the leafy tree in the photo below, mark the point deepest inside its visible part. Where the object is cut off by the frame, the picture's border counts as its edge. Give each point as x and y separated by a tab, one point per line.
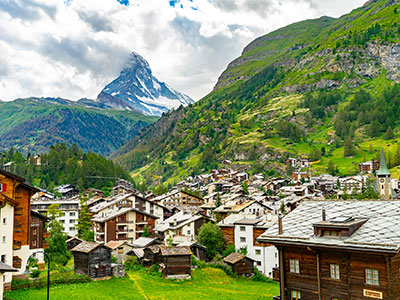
84	225
146	232
245	187
210	236
57	251
229	249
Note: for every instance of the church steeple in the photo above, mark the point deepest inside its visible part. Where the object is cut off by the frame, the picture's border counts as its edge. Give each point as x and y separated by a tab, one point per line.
383	169
384	181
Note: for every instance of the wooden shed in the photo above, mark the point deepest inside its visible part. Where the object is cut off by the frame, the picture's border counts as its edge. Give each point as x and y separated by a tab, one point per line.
92	259
119	249
199	251
176	261
73	242
241	265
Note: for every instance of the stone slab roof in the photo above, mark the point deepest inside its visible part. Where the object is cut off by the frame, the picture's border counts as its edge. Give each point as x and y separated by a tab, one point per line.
380	232
175	251
6	268
85	247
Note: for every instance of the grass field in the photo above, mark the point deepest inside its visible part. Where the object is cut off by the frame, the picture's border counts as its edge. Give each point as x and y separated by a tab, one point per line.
208	283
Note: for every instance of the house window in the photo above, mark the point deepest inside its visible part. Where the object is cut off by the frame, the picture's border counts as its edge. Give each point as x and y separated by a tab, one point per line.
296	295
330	233
335	272
258	263
242	239
3	258
372	276
258	251
62	221
295	266
71	228
4	221
72	221
188	232
34	243
72	214
242	228
4	239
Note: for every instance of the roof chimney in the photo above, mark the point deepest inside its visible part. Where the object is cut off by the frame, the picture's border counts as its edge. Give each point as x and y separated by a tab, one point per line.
323	215
280	227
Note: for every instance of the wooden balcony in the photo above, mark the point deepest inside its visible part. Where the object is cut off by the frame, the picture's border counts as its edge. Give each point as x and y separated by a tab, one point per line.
276	274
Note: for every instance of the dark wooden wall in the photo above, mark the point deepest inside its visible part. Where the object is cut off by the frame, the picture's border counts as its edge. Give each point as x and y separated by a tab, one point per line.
100	262
111	230
177	265
244	267
228	234
352	273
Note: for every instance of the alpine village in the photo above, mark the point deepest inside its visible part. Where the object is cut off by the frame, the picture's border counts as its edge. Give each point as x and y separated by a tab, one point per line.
283	182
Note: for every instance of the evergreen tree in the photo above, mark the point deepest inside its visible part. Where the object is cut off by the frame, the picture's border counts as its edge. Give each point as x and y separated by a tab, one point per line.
245	187
218	200
389	135
348	147
331	168
57	250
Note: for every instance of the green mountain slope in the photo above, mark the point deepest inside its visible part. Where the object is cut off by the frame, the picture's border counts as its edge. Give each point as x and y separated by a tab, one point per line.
302	90
34	124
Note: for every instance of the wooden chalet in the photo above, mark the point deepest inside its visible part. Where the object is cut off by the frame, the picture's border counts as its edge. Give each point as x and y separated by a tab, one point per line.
240	264
338	250
176	262
92	259
19	193
38	232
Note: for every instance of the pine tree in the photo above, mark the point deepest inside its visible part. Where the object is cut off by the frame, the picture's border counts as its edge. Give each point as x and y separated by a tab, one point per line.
348	147
218	201
389	133
331	168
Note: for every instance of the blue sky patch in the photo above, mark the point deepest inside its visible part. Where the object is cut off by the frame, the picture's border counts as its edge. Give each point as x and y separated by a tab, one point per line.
124	2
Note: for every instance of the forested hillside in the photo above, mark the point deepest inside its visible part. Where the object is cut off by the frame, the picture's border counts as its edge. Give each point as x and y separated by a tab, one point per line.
34	124
65	165
327	89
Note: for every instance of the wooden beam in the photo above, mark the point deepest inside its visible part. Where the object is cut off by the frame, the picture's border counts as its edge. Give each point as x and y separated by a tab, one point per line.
319	277
282	273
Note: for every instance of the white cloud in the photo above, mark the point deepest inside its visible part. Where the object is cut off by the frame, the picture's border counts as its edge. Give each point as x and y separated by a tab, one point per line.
73	49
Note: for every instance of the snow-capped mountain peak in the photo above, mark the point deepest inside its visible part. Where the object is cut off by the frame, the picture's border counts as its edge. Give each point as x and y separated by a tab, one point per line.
137	89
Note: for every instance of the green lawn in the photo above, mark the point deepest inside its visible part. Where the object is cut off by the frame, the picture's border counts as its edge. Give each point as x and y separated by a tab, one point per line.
208	283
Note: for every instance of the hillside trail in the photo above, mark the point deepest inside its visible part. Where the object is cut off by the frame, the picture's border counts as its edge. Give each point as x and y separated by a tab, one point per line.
141	291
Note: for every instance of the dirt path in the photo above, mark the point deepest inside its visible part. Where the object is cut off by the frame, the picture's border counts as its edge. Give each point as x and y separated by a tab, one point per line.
141	291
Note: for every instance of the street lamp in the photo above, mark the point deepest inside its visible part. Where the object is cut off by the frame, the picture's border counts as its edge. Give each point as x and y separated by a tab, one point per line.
48	270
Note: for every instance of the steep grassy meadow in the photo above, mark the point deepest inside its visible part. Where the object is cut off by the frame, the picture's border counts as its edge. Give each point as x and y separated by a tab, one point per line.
302	90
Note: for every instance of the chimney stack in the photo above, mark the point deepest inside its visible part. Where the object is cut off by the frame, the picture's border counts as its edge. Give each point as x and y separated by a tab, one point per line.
323	215
280	227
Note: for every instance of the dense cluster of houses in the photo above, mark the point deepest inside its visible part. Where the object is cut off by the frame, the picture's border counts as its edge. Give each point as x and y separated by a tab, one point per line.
299	230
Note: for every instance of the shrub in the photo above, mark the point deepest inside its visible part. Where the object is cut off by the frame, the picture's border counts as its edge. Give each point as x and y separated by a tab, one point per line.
34	273
132	263
154	270
260	277
229	249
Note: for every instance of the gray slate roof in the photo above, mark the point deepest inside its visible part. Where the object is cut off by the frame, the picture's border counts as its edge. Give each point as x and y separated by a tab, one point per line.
143	242
381	231
86	247
6	268
173	251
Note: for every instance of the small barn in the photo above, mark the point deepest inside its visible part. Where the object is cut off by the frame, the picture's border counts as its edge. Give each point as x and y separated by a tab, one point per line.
199	251
176	262
241	265
92	259
152	255
119	249
73	242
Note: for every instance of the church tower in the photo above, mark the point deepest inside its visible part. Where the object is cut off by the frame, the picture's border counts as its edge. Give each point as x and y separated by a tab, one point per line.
384	185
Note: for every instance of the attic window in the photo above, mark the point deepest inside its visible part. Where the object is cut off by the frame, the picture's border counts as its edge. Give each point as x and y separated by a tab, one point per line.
331	233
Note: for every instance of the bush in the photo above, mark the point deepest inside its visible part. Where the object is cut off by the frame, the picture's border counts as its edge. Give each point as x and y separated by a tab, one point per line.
34	273
229	249
260	277
132	263
154	270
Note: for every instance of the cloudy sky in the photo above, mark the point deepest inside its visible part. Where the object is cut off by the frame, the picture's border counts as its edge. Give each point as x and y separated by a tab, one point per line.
73	48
